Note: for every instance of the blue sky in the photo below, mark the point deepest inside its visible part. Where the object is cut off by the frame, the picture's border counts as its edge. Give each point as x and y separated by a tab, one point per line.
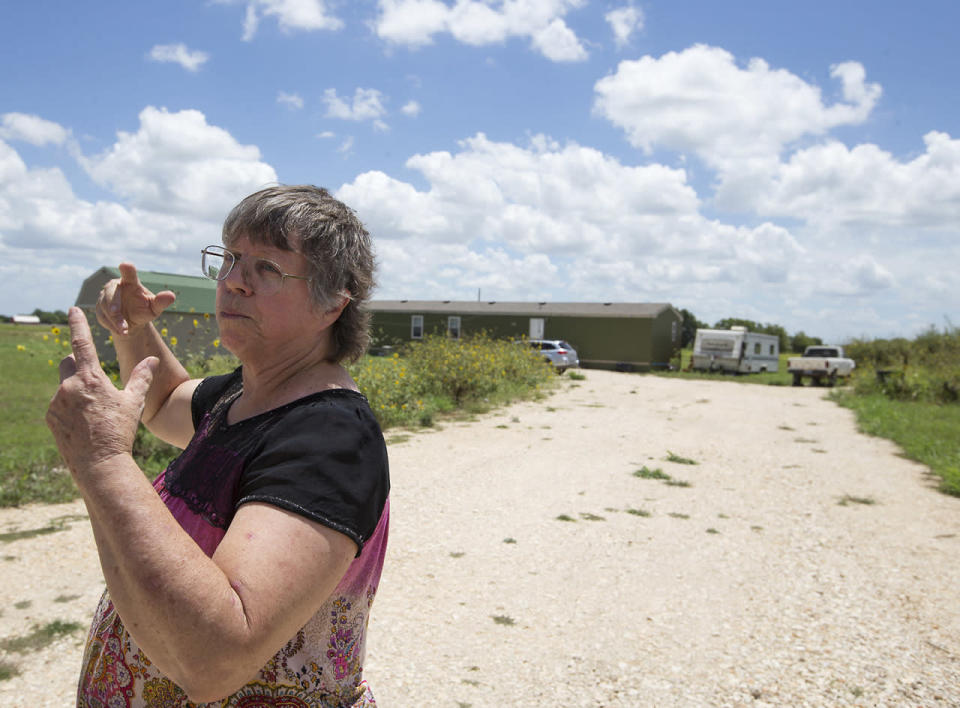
789	163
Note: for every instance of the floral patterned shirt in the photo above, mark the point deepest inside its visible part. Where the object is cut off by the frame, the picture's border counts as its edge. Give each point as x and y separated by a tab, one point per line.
323	457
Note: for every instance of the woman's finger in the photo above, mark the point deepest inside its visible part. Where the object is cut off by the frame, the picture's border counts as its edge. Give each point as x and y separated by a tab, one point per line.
81	341
68	367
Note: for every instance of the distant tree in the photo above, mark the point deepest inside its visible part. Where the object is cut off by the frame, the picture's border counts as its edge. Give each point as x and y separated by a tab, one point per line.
689	327
801	340
55	317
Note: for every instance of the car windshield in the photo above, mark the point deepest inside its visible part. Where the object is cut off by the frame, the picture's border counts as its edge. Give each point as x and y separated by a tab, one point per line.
824	352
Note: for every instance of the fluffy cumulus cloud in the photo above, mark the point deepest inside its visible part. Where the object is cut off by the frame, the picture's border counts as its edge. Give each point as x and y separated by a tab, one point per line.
833	185
367	104
411	109
173	182
32	129
178	163
292	101
414	23
189	59
736	118
290	15
546	219
624	21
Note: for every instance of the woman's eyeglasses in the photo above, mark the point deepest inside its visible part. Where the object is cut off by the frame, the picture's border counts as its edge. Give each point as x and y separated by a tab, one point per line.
265	277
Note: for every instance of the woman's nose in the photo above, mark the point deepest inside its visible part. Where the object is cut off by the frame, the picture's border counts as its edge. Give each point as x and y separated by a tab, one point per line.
236	280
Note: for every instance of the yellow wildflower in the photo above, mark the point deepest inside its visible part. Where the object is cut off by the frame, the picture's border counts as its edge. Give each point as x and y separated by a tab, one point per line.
216	342
173	341
21	348
55	330
206	315
195	322
50	361
46	337
163	332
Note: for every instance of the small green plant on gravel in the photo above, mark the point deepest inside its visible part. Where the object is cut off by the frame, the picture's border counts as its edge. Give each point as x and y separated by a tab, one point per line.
23	604
577	376
8	670
565	517
39	637
508	539
587	516
678	515
505	620
712	530
673	457
677	483
848	499
638	512
647	473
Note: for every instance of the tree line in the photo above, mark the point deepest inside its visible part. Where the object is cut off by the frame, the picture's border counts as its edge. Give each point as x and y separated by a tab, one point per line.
788	342
45	317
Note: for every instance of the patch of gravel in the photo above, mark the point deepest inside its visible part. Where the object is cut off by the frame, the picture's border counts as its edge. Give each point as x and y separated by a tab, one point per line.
752	586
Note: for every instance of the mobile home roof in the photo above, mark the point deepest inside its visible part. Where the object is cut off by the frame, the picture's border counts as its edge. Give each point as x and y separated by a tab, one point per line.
556	309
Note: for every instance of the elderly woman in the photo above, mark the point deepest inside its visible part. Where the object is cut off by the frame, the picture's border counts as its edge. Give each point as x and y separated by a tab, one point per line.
244	576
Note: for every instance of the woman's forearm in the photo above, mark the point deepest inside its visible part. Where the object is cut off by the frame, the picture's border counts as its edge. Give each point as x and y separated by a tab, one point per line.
177	604
137	345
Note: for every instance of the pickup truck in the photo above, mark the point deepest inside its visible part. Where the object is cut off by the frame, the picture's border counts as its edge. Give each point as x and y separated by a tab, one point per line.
821	364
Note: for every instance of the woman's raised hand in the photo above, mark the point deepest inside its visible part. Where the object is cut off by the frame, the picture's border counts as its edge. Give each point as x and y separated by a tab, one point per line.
125	304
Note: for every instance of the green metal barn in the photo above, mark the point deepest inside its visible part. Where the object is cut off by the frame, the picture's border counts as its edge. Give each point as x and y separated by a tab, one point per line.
189	323
613	335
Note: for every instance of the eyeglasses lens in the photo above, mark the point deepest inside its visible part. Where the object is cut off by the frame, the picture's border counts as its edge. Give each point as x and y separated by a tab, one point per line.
214	265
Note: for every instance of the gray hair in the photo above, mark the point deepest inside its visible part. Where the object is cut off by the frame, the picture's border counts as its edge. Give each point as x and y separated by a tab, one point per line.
328	233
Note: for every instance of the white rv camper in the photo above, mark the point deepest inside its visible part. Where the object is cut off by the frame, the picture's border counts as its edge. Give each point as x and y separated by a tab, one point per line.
735	350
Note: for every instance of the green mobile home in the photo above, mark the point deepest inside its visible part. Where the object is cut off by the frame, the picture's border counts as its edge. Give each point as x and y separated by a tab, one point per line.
612	335
188	324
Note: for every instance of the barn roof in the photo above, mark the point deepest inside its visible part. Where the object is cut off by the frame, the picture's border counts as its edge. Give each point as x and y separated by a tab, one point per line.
194	293
556	309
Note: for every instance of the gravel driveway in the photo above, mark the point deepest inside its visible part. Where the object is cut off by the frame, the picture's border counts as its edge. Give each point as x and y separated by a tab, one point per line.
797	563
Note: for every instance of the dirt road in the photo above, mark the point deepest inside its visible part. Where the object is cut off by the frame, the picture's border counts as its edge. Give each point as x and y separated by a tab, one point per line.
796	563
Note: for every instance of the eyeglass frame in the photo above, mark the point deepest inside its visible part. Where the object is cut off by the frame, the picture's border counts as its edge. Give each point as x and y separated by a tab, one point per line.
235	258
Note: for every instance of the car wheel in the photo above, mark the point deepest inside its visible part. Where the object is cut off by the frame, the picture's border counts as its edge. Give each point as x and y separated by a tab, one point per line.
560	370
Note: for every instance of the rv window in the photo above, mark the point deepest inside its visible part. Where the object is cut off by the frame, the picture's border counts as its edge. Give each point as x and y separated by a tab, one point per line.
416	326
756	347
771	350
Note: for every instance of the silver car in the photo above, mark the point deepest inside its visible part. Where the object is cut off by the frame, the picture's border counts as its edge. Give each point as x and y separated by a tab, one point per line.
557	352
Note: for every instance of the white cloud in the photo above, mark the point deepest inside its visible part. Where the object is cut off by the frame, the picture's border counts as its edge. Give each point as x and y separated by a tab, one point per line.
367	104
189	59
624	21
31	129
178	163
326	134
411	108
734	118
306	15
414	23
346	146
833	185
290	100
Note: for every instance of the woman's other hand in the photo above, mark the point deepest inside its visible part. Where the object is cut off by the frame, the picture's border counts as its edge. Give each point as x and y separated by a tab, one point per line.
125	304
89	418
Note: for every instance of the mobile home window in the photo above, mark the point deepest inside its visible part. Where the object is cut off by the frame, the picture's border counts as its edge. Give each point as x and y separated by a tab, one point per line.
771	350
453	327
416	326
756	347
